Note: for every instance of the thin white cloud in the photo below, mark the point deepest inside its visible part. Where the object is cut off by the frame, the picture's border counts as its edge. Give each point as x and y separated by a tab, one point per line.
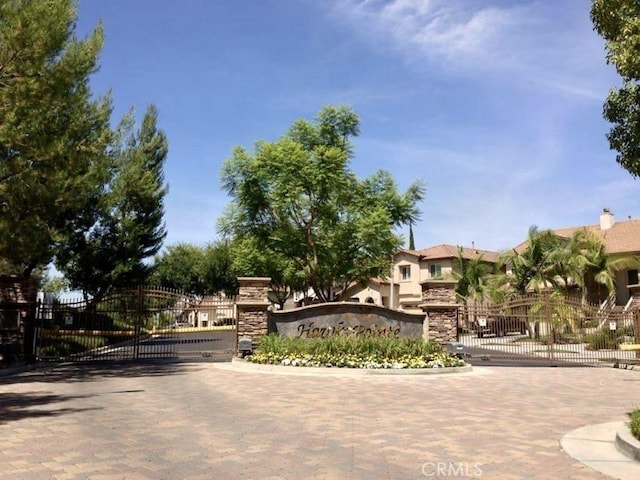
434	29
478	39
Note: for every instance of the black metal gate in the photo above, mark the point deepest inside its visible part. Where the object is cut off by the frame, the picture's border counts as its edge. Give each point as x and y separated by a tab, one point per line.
137	324
549	329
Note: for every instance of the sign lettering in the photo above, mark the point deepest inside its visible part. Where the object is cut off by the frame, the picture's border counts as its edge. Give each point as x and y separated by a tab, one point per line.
308	330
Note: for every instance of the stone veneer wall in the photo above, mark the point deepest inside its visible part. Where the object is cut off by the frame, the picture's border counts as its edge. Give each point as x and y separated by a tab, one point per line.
252	303
14	289
439	304
345	318
19	294
439	292
442	323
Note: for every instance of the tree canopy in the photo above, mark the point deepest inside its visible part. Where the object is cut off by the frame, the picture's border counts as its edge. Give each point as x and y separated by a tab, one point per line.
249	259
195	269
128	225
618	22
53	133
297	198
72	189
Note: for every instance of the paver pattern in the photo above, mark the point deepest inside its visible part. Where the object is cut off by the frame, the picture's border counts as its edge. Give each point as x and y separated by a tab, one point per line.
198	421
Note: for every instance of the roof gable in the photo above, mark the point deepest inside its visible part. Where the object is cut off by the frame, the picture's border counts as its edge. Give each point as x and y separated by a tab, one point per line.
622	237
444	251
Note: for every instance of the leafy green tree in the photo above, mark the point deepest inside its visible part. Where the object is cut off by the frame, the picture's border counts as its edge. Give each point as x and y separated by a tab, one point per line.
618	22
179	267
297	197
195	269
53	133
56	285
220	275
128	218
250	260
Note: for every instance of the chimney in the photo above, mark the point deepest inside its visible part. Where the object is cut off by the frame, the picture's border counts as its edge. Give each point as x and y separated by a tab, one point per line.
606	219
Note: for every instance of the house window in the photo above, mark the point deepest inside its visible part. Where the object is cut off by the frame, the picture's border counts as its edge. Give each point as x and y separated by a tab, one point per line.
435	270
405	272
632	277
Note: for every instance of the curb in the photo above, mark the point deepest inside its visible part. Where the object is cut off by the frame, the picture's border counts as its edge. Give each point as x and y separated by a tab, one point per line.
627	443
356	372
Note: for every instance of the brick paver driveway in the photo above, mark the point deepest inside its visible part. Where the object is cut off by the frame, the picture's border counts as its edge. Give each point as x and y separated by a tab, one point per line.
197	421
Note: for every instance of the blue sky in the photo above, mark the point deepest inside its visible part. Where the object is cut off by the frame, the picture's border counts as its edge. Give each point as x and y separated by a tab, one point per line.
497	104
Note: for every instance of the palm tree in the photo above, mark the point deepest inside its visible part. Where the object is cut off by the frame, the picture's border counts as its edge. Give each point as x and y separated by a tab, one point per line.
533	269
587	262
471	275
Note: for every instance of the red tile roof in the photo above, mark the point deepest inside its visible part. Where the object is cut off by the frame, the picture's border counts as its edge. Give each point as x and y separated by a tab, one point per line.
443	251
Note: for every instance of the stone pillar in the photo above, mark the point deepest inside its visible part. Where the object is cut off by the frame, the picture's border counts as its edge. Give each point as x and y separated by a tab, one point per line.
252	303
18	295
441	309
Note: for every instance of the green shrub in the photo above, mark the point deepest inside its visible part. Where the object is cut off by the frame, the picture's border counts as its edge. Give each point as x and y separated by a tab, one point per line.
70	345
353	352
606	339
634	425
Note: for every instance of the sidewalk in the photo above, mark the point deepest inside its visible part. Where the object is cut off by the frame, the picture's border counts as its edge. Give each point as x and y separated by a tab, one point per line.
594	445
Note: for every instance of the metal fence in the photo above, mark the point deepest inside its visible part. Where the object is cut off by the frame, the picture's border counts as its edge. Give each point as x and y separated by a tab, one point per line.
550	329
136	324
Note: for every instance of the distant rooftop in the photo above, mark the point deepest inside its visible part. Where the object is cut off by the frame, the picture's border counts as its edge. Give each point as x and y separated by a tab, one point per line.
451	251
618	237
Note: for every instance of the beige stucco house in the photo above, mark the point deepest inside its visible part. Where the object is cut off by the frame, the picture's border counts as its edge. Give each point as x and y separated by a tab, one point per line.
619	238
411	268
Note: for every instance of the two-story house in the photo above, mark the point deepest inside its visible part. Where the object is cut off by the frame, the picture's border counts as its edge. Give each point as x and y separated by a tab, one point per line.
403	288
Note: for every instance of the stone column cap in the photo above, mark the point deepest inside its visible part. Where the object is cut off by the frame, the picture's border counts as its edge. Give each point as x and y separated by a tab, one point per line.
253	303
439	282
438	306
254	279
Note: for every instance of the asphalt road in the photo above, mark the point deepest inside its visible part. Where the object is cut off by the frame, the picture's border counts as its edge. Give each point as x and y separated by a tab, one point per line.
211	345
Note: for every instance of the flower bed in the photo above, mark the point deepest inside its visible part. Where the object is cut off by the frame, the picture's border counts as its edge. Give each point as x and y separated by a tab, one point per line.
353	352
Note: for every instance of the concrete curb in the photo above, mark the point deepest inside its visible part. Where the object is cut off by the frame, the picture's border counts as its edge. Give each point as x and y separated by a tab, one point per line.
627	443
243	365
596	447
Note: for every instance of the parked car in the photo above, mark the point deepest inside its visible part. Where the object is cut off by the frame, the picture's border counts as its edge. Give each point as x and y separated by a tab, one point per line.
500	326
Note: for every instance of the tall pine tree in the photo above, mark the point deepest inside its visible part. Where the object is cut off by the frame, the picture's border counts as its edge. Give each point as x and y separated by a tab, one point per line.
129	226
53	133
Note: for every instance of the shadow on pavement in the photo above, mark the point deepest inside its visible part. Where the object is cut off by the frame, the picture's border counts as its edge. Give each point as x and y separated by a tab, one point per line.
90	371
17	406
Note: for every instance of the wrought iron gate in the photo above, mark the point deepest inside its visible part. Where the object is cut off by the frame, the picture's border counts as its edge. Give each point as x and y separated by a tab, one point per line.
137	324
549	329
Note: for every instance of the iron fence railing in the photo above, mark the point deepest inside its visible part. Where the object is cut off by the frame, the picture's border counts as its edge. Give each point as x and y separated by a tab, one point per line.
550	328
140	323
